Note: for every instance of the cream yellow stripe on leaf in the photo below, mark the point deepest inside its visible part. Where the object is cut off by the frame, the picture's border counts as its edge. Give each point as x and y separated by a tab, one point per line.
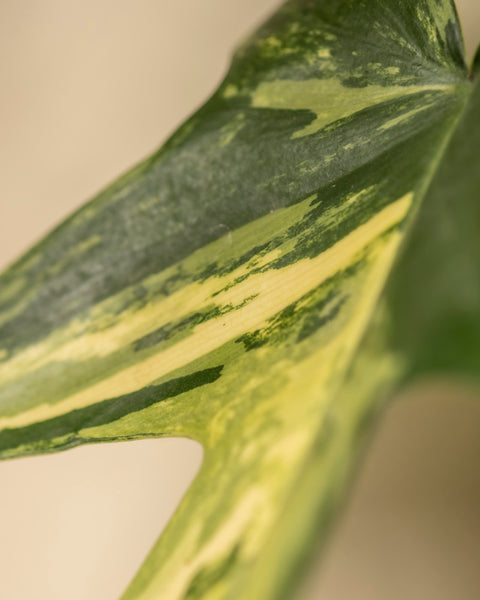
276	289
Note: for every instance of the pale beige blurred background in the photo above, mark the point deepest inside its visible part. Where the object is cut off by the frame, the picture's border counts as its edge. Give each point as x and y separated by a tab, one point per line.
87	89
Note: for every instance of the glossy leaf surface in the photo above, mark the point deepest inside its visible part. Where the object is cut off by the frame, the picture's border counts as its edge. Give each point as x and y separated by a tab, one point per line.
304	245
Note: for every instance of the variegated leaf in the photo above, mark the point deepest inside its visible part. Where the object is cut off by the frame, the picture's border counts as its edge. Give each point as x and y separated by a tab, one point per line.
306	243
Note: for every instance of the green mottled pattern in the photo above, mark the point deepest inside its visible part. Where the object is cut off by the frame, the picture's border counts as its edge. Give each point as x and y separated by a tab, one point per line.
234	288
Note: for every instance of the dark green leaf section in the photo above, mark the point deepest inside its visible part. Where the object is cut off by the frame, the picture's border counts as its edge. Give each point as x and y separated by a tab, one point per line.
434	300
412	37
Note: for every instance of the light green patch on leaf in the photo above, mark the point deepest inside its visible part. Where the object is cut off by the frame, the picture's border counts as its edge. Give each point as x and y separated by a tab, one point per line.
328	99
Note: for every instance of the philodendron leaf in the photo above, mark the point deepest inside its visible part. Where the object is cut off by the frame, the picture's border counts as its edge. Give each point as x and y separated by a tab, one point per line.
306	244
